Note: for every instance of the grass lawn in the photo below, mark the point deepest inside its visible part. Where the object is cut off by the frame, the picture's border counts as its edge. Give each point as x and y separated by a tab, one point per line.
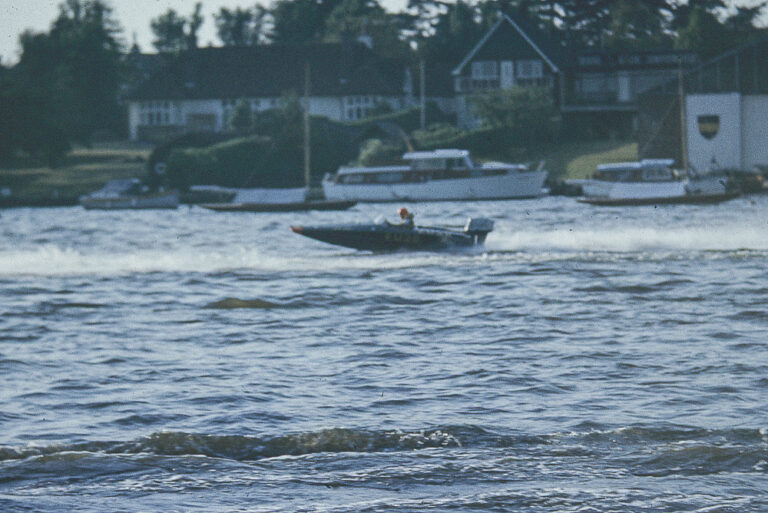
579	159
26	182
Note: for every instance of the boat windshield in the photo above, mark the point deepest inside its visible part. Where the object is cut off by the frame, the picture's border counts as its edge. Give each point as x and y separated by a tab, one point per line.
427	164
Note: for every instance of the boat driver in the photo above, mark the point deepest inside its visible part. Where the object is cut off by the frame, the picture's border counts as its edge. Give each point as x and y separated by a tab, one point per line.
406	218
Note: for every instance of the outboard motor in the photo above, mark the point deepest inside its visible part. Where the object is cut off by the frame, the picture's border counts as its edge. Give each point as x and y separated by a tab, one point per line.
478	227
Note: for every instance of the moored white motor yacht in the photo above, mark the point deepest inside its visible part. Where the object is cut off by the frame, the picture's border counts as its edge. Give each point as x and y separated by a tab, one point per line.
652	181
446	174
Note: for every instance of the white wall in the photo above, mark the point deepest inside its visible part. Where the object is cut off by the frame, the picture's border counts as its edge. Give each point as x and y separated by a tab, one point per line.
755	130
188	107
725	147
134	119
329	107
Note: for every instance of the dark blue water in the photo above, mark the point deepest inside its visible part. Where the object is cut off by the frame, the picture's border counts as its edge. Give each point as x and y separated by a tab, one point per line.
586	360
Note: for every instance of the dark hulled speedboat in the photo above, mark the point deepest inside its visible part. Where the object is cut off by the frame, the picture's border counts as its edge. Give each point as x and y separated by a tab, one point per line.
386	236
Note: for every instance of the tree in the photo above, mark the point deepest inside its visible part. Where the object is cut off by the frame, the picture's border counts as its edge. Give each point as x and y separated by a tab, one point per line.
635	25
242	117
88	39
300	21
455	32
175	33
528	113
241	27
682	11
704	33
366	17
65	85
743	23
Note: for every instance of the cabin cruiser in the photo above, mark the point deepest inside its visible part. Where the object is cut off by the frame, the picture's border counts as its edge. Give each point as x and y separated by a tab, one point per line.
383	235
447	174
650	182
128	193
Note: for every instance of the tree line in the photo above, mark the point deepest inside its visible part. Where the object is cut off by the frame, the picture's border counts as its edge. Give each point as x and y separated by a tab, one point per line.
68	81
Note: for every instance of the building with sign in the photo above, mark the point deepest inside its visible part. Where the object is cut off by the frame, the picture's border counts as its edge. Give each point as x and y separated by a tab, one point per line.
596	91
724	119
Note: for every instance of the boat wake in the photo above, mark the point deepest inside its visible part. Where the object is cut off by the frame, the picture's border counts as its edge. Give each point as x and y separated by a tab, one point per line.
51	260
631	240
504	242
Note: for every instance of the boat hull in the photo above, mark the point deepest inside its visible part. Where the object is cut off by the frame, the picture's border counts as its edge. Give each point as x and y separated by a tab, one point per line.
684	199
279	207
161	201
513	185
707	189
385	237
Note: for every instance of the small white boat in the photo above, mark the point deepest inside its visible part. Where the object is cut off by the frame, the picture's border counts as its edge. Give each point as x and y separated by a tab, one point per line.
447	174
650	182
275	200
128	193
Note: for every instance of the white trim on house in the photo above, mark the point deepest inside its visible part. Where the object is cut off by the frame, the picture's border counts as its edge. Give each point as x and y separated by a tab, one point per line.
487	36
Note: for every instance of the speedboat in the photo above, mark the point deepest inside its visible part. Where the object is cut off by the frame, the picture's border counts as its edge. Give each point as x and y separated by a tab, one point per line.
386	236
652	182
128	193
445	174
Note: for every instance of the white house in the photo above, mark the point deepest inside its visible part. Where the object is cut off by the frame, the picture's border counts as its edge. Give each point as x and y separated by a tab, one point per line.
198	90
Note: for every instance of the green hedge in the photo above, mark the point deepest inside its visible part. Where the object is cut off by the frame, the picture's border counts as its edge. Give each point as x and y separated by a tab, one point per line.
257	161
483	143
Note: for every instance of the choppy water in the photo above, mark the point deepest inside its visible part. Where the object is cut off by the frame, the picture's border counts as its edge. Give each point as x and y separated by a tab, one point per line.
586	360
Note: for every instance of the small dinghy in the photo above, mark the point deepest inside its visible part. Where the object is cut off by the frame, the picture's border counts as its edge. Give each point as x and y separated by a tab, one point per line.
386	236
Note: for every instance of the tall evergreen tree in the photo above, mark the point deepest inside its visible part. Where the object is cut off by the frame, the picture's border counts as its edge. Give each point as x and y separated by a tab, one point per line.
366	18
300	21
455	32
175	33
241	27
65	85
635	25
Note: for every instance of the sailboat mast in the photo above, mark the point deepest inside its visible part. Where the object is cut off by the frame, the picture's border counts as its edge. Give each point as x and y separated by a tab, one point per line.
306	127
683	121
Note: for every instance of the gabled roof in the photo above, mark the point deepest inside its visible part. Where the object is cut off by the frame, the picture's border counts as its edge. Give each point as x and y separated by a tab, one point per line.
530	35
336	69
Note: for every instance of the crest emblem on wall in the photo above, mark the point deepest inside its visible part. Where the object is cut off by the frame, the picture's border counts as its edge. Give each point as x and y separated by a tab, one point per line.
709	125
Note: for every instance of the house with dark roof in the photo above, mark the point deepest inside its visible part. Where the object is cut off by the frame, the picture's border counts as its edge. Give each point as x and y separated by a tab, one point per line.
199	90
596	91
507	56
600	89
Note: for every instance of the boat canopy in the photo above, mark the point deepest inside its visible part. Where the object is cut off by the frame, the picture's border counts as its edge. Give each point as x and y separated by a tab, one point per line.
646	170
436	154
626	166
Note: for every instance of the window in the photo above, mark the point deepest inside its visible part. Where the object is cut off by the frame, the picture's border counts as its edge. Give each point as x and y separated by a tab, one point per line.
530	69
485	70
590	60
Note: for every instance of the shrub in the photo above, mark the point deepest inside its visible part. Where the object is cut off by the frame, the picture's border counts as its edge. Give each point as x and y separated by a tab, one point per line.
377	152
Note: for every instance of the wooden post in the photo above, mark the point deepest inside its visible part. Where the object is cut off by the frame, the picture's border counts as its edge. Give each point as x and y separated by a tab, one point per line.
307	174
423	102
683	116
